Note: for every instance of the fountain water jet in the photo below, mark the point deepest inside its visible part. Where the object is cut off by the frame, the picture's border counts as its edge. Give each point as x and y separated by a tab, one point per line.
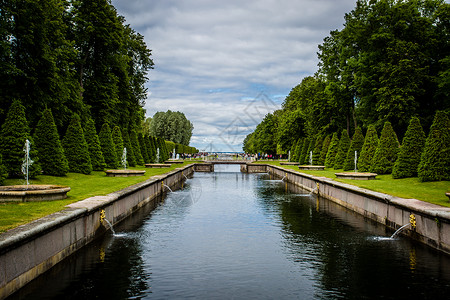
399	230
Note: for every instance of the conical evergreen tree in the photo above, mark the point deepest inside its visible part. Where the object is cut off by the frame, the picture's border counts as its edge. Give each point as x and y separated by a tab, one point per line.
324	151
95	150
368	150
332	151
136	147
311	144
3	173
316	151
410	151
143	147
48	146
76	149
118	144
131	157
356	144
435	160
386	154
304	152
344	144
299	149
108	148
151	148
15	132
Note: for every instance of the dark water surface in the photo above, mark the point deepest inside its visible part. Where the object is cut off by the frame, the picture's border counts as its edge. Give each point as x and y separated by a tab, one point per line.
229	235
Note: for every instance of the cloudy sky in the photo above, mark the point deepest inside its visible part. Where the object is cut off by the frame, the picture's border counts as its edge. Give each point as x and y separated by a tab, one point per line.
225	64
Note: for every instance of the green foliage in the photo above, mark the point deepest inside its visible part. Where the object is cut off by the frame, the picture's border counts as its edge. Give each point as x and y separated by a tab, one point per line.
410	151
317	150
136	147
117	139
14	133
76	149
294	150
48	146
172	126
95	150
332	151
324	151
3	172
344	145
435	160
368	150
387	150
355	145
131	160
108	148
150	144
143	147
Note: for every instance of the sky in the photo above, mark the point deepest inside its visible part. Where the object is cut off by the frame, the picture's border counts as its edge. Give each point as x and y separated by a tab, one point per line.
226	64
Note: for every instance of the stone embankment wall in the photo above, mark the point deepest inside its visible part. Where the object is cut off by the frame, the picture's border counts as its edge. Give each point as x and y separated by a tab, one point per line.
429	223
29	250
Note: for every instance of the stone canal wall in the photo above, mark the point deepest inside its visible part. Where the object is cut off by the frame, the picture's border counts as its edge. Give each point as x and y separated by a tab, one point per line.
428	223
29	250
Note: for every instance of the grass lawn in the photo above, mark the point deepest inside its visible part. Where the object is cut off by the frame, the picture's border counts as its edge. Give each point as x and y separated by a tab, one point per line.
433	192
81	186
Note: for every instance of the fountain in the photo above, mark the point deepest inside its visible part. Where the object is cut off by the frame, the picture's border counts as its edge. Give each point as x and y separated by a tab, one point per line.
157	164
399	230
310	166
124	172
355	175
31	192
165	185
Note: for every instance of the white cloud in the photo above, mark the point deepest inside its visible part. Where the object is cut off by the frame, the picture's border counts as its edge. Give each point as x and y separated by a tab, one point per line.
211	57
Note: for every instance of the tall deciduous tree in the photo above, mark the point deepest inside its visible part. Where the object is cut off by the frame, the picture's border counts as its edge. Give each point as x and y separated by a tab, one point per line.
76	149
172	126
49	147
410	151
435	161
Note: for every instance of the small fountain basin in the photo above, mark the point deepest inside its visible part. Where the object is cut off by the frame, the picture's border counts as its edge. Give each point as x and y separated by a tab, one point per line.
289	163
173	162
356	175
312	168
32	192
157	165
124	173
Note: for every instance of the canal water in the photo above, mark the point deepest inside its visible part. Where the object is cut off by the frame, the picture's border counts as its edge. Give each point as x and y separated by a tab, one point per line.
230	235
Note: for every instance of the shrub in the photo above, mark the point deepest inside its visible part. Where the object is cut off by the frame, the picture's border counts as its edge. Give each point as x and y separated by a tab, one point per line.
344	144
95	150
118	144
48	145
131	157
136	147
323	152
143	147
410	151
14	133
355	145
316	151
387	150
368	150
435	161
108	148
76	149
332	151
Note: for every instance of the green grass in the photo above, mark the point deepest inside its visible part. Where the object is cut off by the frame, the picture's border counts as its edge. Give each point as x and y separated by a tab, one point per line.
81	186
432	192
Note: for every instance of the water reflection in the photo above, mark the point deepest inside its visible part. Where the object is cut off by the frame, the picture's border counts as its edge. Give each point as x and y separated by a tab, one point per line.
235	235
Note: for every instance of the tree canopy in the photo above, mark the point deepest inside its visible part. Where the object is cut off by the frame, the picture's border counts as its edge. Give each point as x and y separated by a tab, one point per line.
172	126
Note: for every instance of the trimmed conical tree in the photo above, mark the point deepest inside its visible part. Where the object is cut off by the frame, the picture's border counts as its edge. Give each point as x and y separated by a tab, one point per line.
14	133
355	145
323	152
344	144
332	151
76	149
410	151
3	173
118	144
136	148
48	145
386	154
368	150
108	149
95	150
131	157
316	151
303	154
151	148
143	147
435	161
299	149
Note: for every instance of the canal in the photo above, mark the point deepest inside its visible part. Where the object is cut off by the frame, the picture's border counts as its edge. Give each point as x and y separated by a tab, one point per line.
230	235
